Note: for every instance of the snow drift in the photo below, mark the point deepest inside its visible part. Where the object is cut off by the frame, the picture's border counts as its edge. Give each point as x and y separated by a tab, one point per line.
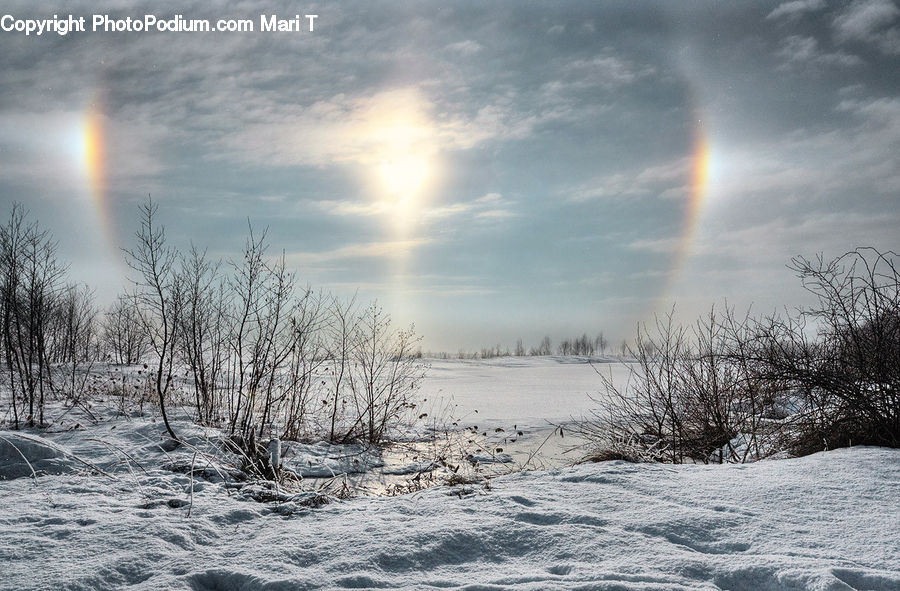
827	522
29	455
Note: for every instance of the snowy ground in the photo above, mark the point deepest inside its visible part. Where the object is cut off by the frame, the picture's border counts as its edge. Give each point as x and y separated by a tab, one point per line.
827	521
517	401
111	509
527	391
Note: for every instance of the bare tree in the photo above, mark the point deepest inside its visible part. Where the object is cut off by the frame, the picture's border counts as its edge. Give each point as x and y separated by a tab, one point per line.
32	280
123	333
851	373
720	391
259	356
248	285
74	333
308	357
601	344
157	297
276	337
388	373
260	340
204	329
545	348
694	394
520	348
341	344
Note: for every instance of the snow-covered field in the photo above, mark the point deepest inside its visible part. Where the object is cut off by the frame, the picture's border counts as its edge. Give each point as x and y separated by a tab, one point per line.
165	519
524	397
528	391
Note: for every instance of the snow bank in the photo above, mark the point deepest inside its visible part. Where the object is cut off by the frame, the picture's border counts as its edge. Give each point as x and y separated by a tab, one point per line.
824	522
29	455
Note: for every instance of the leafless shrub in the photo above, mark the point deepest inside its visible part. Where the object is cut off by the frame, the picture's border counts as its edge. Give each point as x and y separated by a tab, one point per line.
123	335
203	331
693	395
32	279
262	359
520	348
543	349
849	372
305	365
75	340
388	374
157	296
738	390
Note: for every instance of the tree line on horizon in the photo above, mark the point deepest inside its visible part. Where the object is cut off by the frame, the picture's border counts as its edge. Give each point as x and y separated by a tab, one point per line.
581	346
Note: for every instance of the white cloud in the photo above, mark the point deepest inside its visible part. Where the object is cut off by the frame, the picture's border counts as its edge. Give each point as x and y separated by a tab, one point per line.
795	8
48	149
420	283
351	208
488	206
799	52
607	70
358	130
668	180
772	243
386	249
491	205
657	246
603	71
466	48
490	198
870	21
495	214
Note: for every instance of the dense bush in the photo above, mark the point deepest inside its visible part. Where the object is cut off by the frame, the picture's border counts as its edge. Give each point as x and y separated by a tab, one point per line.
691	396
849	372
739	390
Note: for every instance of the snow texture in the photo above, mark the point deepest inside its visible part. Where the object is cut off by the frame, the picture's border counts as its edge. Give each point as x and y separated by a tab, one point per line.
29	455
826	522
112	505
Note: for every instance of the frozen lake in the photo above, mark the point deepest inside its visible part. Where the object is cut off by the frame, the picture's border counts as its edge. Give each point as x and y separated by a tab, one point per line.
525	391
517	401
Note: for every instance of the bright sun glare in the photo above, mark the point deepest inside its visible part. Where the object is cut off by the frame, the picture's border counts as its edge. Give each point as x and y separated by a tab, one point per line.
403	176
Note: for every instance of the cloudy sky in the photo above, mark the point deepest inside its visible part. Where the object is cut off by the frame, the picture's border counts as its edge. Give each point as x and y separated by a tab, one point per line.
488	170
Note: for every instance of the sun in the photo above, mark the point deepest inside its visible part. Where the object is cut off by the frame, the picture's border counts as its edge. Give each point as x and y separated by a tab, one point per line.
397	142
403	176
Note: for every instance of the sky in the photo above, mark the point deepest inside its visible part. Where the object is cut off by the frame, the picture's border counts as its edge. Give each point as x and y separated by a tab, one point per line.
486	170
